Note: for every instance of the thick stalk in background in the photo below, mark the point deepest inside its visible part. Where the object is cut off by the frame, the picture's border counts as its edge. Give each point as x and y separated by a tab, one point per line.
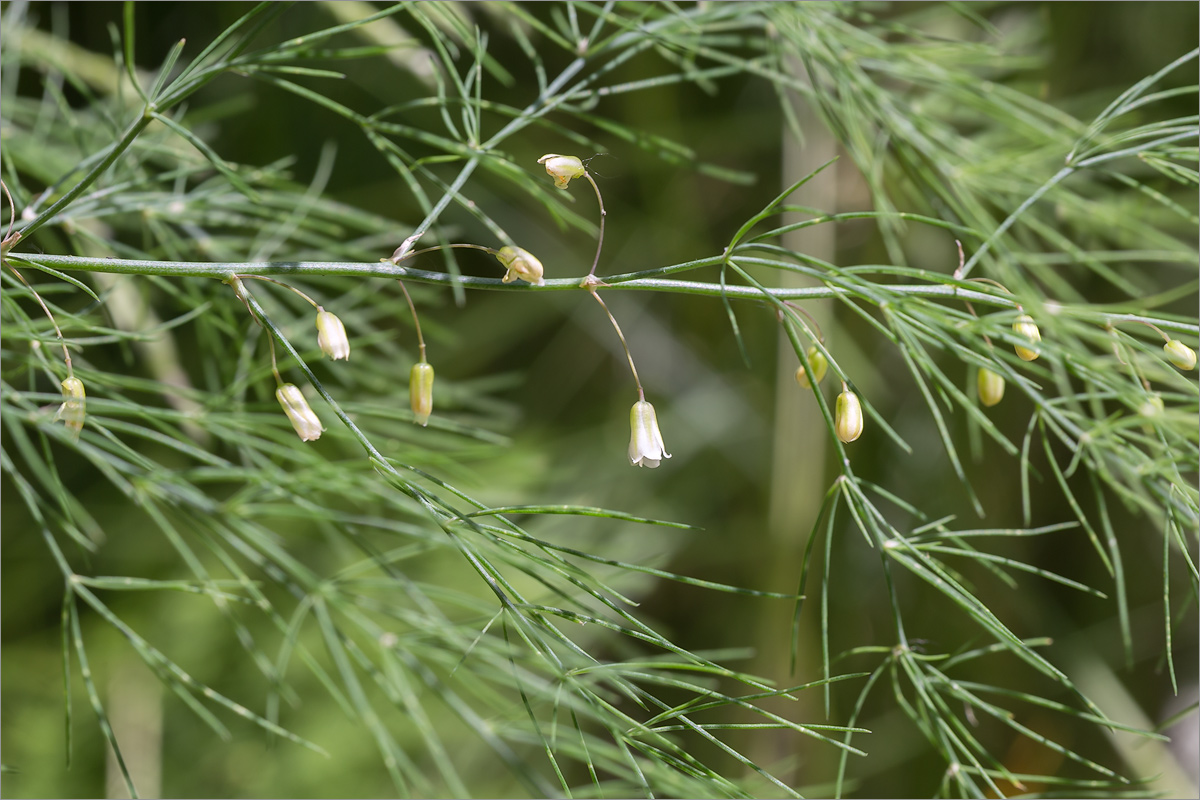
798	475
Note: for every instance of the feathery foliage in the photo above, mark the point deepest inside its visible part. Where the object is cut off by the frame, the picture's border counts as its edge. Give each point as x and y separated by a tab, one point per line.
403	573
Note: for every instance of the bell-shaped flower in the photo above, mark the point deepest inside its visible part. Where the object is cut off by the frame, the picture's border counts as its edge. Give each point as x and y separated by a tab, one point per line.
73	409
562	168
331	335
307	426
991	387
819	364
520	264
420	392
1180	355
848	417
646	448
1025	326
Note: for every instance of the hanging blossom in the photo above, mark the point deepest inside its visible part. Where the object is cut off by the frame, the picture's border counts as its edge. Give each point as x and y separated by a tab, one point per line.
521	264
646	448
848	417
562	168
299	413
74	407
420	392
331	335
1025	326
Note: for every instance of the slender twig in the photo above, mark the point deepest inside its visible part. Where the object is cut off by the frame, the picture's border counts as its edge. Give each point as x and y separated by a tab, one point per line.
416	319
592	290
312	302
11	238
603	215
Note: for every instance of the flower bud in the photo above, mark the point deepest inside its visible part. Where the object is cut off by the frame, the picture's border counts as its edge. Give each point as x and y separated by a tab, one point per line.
520	264
1151	409
1180	355
307	426
819	364
73	409
1025	326
848	418
646	448
562	168
991	387
420	392
1152	406
331	336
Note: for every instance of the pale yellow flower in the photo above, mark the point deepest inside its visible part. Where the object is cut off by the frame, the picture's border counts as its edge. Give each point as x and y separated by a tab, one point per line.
819	364
848	417
562	168
308	426
74	406
1180	355
331	335
1025	326
991	387
420	392
520	264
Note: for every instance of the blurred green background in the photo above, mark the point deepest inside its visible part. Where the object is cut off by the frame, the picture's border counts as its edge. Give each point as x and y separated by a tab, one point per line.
554	371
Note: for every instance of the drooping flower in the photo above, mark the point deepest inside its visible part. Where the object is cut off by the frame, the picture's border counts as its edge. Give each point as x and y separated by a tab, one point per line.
848	418
1180	355
420	392
74	406
331	335
308	426
562	168
521	264
1025	326
819	364
991	387
646	448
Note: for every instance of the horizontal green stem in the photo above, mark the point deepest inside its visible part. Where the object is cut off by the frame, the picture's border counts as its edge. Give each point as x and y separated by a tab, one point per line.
635	281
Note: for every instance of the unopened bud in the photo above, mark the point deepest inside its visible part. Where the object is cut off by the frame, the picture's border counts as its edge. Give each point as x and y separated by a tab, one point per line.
308	426
848	418
1180	355
1152	406
520	264
331	335
1025	326
73	409
562	168
991	387
819	364
420	392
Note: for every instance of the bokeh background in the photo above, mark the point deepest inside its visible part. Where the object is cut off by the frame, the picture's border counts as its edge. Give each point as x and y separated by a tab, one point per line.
749	464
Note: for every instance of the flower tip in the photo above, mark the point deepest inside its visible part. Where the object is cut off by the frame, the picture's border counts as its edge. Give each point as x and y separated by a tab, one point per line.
331	336
306	423
1180	355
420	392
848	419
646	448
